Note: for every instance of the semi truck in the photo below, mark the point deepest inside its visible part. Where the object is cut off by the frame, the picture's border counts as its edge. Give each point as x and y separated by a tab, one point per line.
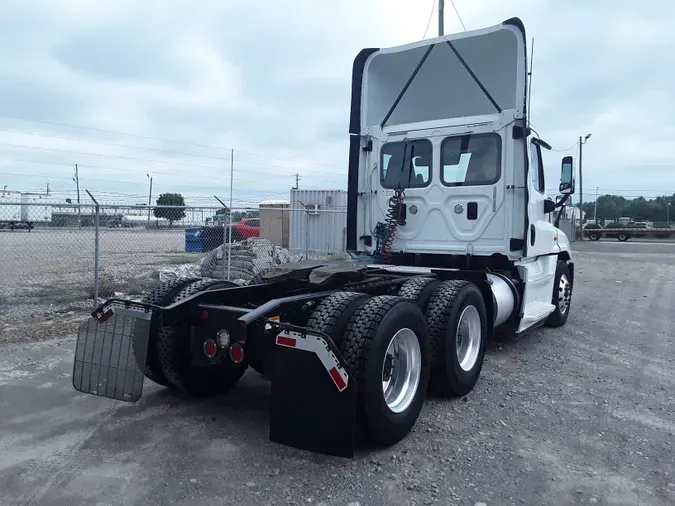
623	233
449	242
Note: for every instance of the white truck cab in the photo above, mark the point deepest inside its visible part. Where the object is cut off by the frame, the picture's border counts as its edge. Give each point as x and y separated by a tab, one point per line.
445	171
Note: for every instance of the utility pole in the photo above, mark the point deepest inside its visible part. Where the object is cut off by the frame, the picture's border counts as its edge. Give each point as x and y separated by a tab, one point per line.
149	198
595	212
79	209
582	141
297	182
668	213
441	8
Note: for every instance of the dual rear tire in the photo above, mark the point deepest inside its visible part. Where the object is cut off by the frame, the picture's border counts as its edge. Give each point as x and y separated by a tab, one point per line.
168	358
430	336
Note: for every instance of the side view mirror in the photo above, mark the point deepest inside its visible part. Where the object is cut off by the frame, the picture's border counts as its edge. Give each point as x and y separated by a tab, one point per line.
549	206
567	176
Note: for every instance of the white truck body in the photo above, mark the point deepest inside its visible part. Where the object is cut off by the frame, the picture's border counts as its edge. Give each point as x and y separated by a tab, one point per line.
473	181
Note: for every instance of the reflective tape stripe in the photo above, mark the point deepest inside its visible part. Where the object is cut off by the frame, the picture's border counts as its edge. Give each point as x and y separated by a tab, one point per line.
286	341
317	345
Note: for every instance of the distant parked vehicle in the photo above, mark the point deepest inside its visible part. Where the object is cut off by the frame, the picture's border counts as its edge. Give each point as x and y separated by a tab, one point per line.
16	225
245	229
625	232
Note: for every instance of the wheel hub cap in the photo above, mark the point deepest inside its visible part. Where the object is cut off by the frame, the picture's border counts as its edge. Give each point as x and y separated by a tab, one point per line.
564	294
468	338
401	370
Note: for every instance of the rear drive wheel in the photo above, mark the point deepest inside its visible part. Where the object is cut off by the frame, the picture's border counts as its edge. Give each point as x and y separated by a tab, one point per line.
457	321
332	315
175	354
419	290
594	236
562	296
385	348
160	296
623	237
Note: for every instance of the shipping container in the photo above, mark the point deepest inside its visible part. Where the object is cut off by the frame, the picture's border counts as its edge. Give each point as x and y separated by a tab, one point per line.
318	221
275	221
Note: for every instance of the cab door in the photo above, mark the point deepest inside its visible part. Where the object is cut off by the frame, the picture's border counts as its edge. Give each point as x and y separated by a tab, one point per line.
541	234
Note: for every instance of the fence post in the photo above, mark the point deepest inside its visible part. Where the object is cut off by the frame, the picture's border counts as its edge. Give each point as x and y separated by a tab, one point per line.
229	242
96	249
306	234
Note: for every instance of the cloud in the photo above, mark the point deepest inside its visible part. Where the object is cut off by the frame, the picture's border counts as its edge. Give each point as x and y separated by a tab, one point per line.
273	79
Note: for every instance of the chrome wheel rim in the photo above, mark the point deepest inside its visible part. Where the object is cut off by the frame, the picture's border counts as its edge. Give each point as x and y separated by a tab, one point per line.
468	338
401	370
564	294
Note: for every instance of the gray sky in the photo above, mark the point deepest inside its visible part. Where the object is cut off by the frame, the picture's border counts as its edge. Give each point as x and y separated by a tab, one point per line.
272	80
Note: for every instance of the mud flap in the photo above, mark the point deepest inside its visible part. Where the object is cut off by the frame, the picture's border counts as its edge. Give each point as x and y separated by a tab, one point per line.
105	357
313	405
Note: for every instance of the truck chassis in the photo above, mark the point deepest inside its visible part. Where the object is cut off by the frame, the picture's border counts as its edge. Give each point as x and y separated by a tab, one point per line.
324	333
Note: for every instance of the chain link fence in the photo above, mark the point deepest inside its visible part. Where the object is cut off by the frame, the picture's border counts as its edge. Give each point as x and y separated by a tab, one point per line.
59	260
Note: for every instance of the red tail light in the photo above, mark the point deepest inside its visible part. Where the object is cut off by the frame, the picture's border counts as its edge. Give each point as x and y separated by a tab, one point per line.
237	353
210	348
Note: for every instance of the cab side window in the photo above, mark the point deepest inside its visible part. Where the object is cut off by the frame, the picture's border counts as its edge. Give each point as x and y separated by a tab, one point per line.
537	168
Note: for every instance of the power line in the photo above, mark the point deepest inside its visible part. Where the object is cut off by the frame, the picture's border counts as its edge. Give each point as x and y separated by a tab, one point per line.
170	174
147	160
566	149
159	139
87	179
457	12
106	143
431	15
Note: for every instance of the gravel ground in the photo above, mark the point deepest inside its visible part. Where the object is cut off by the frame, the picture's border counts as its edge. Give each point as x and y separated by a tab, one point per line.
47	275
579	415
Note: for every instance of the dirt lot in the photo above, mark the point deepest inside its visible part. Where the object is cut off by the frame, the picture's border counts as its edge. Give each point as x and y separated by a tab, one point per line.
579	415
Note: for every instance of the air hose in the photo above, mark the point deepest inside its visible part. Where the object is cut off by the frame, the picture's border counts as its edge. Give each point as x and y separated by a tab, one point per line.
387	230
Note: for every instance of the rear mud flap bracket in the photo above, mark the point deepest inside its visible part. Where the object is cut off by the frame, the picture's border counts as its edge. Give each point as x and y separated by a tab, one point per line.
313	405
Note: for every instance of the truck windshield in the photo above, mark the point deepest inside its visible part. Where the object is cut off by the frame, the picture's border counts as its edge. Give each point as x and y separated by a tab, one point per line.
393	158
470	160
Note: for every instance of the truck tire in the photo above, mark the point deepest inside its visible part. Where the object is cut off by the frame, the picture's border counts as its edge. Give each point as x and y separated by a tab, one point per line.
333	314
160	296
457	321
623	237
174	353
419	290
562	296
390	392
594	236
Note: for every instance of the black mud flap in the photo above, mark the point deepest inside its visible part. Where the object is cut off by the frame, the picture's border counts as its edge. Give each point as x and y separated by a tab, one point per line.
313	405
105	357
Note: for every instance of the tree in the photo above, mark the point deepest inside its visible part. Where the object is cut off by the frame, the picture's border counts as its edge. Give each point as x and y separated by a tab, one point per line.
613	207
242	215
175	212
